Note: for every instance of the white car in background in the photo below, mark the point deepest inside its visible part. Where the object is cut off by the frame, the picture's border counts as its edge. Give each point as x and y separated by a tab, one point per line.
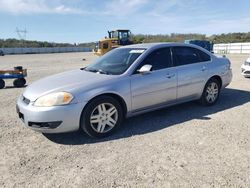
245	68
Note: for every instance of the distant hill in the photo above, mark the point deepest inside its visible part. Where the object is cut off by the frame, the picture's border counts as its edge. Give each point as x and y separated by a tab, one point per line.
138	38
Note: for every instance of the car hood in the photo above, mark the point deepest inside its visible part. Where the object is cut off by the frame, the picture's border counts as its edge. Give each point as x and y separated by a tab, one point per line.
66	81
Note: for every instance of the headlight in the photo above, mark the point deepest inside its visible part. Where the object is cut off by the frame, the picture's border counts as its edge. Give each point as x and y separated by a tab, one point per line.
54	99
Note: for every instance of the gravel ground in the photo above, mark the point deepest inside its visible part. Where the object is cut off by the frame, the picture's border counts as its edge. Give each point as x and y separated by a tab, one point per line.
182	146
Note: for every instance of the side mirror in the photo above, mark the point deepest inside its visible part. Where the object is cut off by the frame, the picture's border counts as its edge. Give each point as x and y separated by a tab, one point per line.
145	69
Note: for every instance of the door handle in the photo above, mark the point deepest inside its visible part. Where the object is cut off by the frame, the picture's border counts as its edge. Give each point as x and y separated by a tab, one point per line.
170	75
203	68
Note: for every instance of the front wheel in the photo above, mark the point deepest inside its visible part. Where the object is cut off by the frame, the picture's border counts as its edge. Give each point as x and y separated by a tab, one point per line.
101	117
210	93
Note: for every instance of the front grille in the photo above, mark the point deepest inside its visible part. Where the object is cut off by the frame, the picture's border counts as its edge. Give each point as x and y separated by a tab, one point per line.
45	125
25	100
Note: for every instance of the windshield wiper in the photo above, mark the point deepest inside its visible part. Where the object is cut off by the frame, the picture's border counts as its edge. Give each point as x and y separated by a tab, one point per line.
102	71
97	71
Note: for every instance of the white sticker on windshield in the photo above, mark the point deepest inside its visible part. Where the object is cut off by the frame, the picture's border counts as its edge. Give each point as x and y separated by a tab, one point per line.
136	51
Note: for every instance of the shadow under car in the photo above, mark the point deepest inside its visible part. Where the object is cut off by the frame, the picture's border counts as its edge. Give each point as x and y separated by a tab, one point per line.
160	119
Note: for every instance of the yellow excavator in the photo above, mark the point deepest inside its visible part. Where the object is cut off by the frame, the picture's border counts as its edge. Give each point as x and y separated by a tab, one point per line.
116	38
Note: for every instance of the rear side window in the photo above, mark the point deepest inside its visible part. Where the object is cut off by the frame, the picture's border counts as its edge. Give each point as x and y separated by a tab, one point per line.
185	56
204	56
159	59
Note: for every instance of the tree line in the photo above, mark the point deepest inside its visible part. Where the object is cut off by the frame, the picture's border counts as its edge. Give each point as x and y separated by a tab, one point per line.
175	37
14	43
138	38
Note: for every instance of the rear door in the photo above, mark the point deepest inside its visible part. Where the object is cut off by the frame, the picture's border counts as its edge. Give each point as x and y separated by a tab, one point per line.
192	70
159	86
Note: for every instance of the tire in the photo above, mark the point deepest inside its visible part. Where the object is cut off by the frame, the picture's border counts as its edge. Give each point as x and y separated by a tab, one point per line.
20	82
103	123
211	92
2	83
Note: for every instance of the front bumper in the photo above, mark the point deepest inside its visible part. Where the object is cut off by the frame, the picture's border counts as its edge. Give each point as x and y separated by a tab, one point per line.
56	119
245	70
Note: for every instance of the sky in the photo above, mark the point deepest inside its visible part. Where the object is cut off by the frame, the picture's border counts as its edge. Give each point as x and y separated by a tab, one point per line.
77	21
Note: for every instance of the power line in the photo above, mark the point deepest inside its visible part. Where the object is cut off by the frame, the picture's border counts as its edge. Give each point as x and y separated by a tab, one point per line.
22	34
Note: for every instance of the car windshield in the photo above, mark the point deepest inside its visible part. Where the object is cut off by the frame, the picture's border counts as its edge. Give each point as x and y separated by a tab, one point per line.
116	61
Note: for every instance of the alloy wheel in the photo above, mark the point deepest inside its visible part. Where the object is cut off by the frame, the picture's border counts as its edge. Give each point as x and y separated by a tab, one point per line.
212	92
104	117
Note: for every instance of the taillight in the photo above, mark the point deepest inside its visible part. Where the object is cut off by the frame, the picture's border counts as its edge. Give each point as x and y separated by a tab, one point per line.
229	64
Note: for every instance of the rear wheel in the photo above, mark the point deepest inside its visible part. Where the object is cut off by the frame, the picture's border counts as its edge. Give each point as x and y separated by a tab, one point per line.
20	82
2	84
101	117
211	92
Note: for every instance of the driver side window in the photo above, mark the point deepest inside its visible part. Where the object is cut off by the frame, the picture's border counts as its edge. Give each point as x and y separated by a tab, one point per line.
159	59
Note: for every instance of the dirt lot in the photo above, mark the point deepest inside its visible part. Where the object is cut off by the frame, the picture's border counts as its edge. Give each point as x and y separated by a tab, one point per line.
183	146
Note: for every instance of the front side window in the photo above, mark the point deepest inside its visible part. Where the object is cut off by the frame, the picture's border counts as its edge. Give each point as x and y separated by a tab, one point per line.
114	34
116	61
185	56
159	59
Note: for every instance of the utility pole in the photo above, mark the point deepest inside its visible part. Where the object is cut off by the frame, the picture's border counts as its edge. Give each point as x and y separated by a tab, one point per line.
22	35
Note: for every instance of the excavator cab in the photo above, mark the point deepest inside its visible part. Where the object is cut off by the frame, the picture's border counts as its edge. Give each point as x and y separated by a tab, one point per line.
116	38
123	36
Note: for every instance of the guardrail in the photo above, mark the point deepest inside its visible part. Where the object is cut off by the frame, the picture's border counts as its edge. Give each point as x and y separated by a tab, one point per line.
44	50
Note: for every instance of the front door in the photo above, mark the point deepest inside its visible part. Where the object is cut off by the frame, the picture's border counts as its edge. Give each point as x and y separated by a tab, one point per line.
159	85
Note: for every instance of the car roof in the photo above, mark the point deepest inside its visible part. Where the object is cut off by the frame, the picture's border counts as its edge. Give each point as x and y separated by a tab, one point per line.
152	46
156	45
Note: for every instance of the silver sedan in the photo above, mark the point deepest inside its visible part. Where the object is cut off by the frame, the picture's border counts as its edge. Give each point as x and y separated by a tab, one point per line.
125	82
